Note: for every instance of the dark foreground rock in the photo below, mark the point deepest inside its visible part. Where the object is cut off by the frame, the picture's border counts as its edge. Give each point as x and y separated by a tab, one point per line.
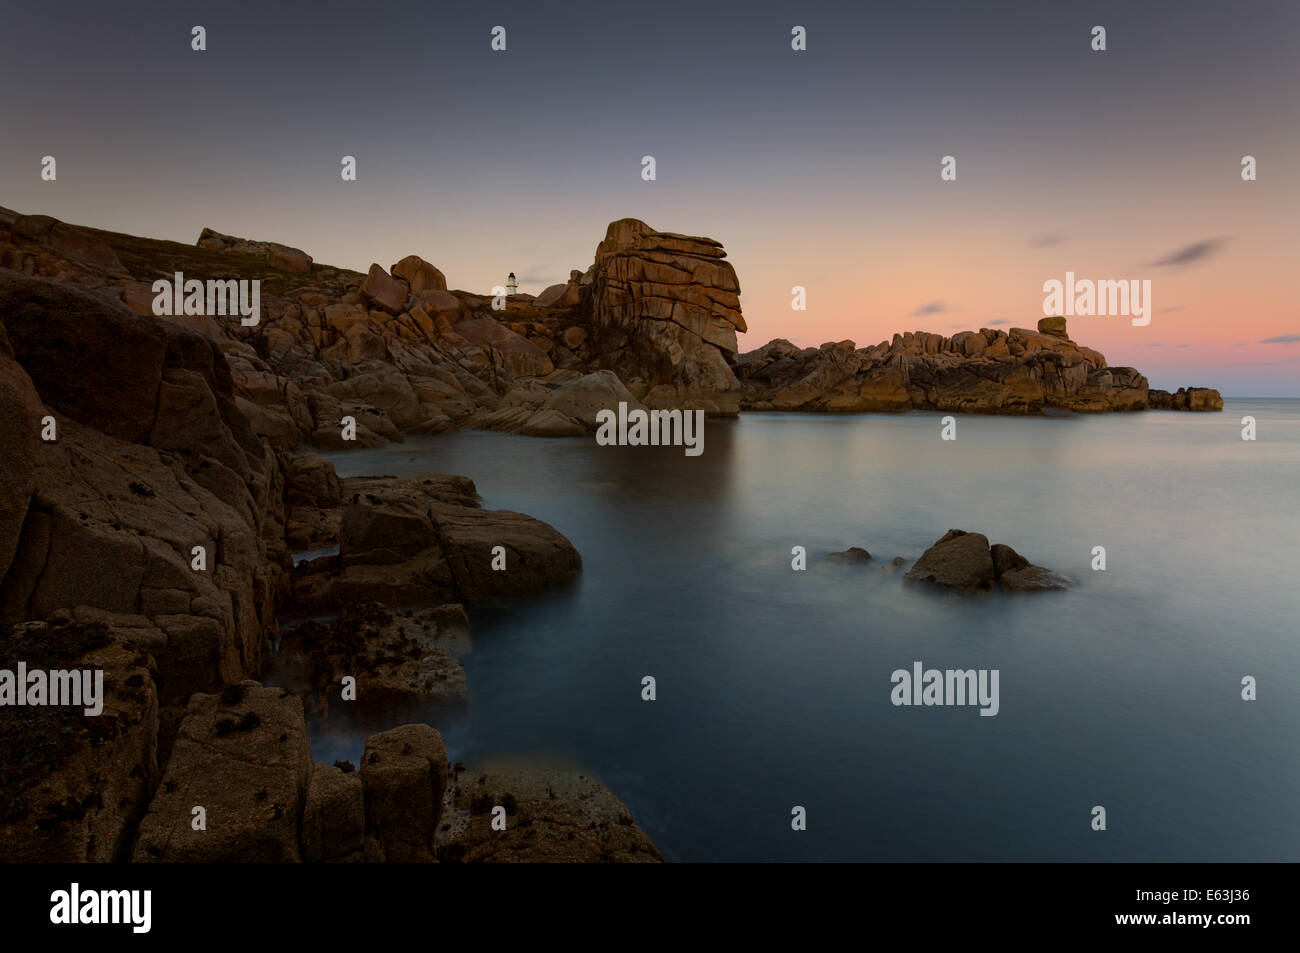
400	661
550	817
242	756
73	786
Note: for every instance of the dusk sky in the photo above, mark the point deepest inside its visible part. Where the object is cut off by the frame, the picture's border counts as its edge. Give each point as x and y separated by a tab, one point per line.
817	168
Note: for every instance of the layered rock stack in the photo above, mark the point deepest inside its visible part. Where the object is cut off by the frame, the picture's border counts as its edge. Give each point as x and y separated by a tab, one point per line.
665	309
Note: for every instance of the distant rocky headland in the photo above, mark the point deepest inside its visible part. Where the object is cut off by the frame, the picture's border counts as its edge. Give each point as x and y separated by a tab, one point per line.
653	320
154	490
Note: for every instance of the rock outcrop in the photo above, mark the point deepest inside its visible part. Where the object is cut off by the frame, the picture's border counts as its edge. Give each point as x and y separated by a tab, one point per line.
425	540
664	311
277	255
152	459
987	371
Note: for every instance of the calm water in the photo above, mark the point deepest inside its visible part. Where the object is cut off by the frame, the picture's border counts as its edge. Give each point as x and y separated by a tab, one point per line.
774	685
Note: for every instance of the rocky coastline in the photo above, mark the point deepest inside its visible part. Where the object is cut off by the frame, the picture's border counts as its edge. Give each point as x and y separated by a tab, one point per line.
157	479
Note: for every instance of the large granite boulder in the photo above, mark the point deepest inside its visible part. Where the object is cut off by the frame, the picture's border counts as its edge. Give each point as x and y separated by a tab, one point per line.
243	756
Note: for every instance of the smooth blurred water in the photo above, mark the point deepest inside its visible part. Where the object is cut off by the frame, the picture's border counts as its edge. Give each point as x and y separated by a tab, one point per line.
774	685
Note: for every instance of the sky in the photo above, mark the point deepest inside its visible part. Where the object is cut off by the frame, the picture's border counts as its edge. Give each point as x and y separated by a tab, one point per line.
818	168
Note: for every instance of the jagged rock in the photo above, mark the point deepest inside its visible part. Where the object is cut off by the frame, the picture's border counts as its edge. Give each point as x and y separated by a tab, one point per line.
384	290
958	560
551	817
72	786
404	775
243	756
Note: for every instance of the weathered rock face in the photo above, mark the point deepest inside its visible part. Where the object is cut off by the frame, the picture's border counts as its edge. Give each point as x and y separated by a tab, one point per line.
664	312
73	786
242	755
424	540
550	817
152	459
989	371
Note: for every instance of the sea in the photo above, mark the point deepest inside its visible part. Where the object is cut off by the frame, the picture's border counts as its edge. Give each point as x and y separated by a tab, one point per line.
773	734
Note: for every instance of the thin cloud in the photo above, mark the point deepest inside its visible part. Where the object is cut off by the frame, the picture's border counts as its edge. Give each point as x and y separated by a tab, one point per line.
1050	240
1282	339
930	307
1190	254
1177	307
997	324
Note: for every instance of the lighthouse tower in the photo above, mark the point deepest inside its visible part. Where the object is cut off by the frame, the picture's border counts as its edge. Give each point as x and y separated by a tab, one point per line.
511	285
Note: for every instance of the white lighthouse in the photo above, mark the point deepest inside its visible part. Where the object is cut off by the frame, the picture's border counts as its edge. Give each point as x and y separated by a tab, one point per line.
511	285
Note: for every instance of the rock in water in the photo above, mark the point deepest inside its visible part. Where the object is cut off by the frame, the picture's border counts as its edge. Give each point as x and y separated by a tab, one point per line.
1033	579
854	554
959	560
1017	574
